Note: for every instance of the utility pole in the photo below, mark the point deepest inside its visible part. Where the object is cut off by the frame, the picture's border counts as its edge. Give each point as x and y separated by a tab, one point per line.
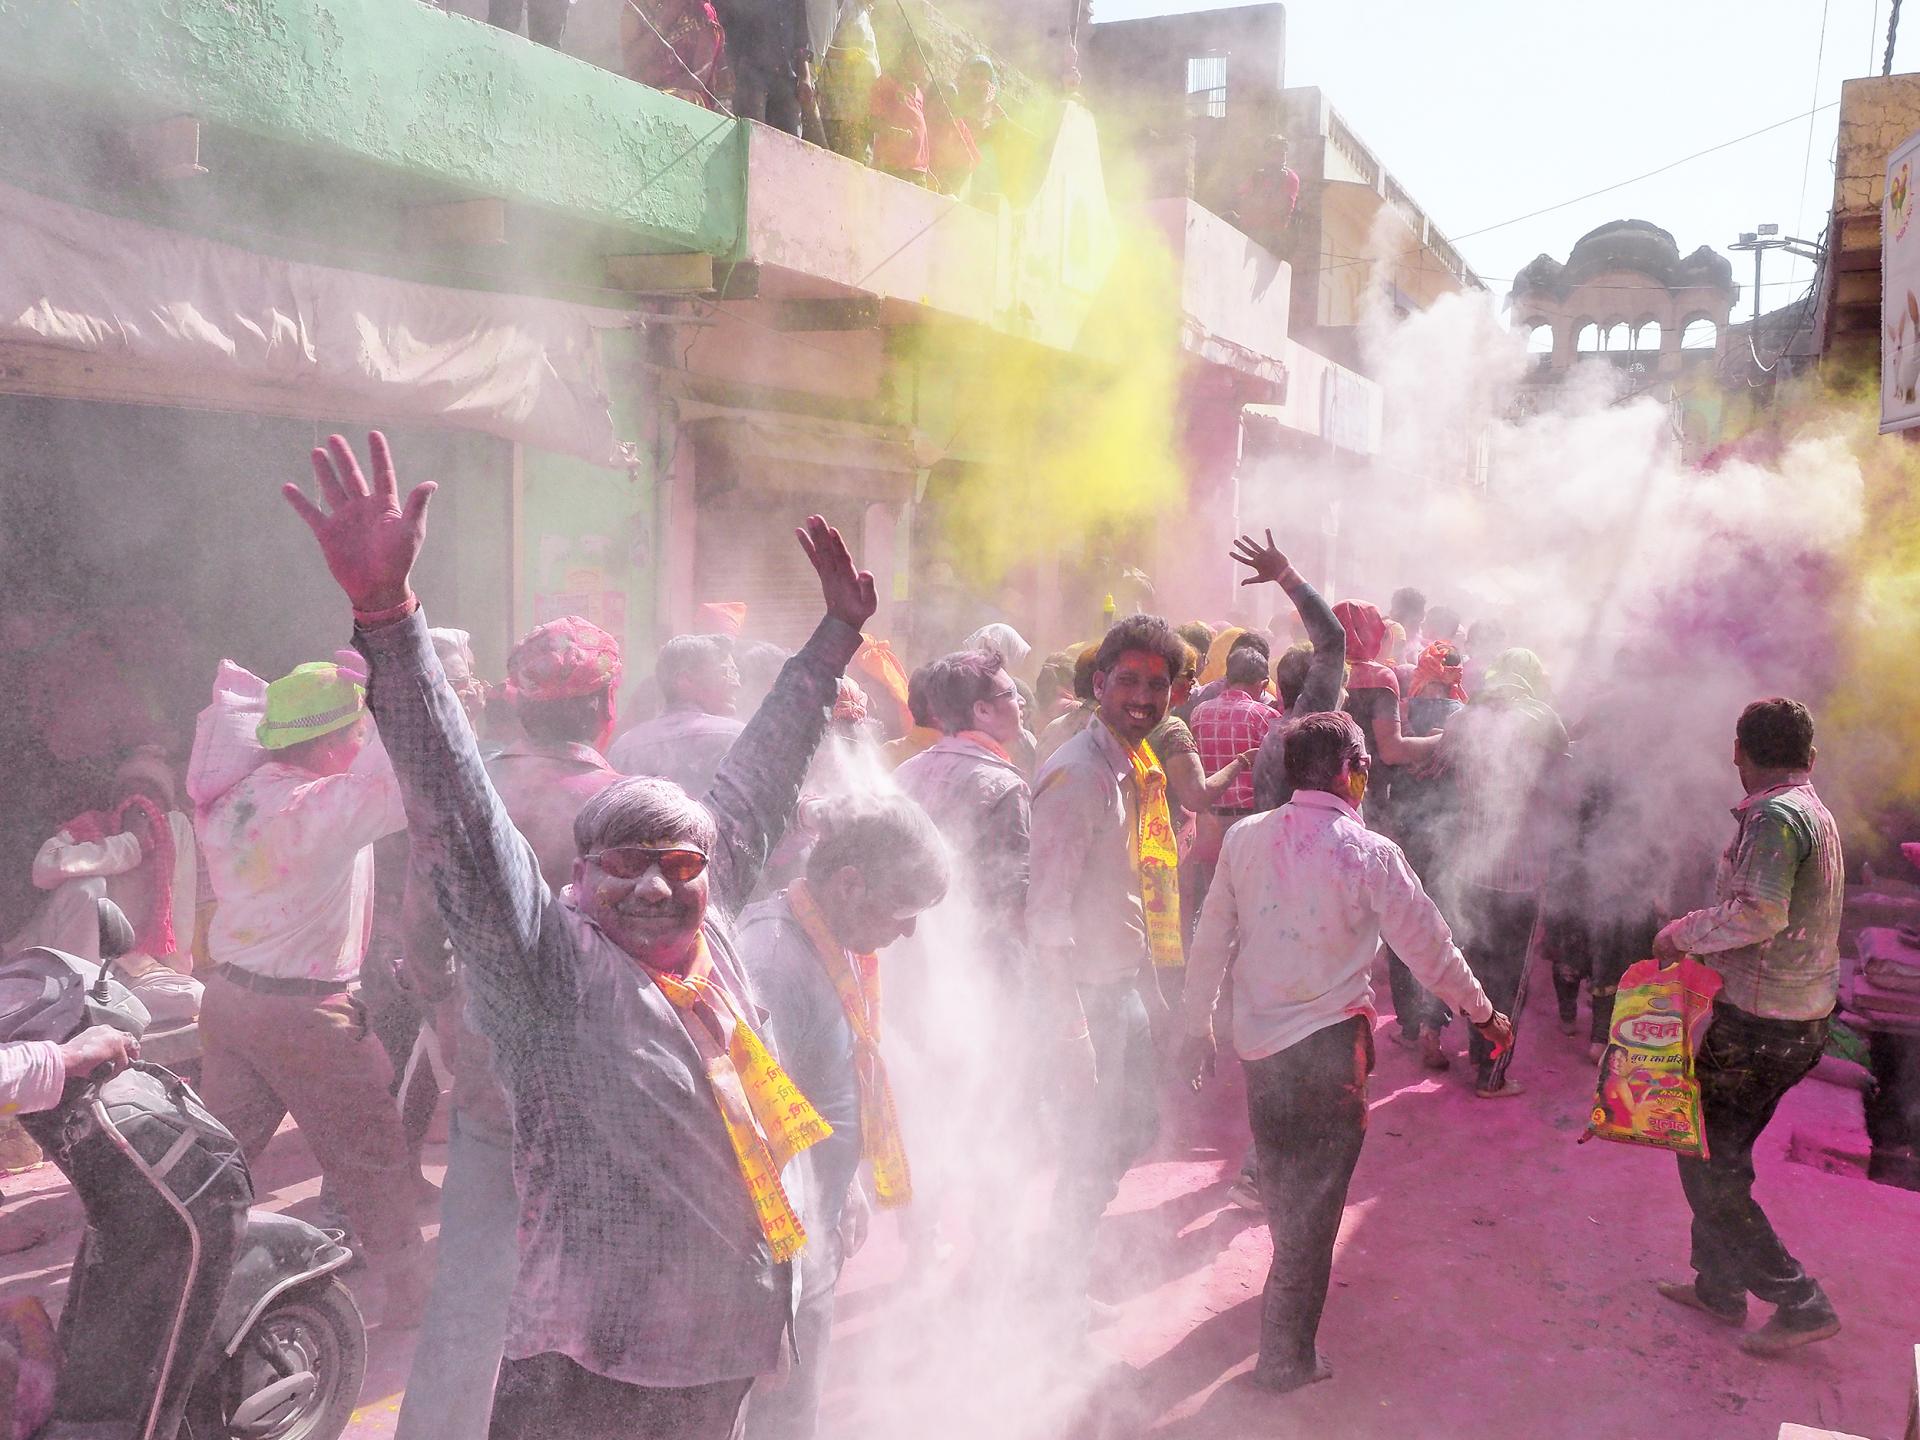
1759	240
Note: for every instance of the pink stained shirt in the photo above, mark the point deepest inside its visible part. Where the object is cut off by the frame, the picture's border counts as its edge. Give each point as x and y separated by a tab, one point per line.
289	854
1301	900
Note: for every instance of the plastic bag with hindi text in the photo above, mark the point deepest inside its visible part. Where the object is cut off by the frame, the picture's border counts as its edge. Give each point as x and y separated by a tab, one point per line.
1646	1091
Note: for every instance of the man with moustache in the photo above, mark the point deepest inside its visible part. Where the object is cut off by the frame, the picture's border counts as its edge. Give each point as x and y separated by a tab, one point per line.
1103	909
650	1121
561	680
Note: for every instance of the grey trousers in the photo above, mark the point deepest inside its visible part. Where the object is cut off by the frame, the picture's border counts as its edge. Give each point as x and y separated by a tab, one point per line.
450	1392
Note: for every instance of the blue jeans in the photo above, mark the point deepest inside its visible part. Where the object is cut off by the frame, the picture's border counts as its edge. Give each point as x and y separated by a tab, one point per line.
1100	1147
450	1392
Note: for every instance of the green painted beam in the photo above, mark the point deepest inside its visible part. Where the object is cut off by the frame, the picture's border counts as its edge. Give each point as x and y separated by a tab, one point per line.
407	87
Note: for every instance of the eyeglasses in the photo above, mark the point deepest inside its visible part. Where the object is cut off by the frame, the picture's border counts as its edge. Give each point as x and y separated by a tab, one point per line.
630	862
1011	692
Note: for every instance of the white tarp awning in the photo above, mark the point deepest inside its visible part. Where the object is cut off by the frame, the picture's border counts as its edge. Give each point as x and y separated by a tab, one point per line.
100	307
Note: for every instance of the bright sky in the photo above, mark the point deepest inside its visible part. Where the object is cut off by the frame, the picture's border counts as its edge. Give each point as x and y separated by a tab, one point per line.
1487	109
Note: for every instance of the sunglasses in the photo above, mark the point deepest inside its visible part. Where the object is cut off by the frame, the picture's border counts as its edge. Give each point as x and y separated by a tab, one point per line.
630	862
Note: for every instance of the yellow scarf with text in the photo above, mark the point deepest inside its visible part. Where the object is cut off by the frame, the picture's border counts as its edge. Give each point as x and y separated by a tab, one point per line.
767	1118
856	979
1156	858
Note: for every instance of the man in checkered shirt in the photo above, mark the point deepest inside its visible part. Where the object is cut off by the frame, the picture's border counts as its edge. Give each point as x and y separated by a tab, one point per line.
648	1298
1234	723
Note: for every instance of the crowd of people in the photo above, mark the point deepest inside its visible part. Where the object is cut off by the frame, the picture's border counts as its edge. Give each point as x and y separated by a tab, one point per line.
819	71
647	969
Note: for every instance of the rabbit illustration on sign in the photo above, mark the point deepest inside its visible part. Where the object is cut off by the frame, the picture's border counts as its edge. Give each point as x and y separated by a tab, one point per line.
1902	357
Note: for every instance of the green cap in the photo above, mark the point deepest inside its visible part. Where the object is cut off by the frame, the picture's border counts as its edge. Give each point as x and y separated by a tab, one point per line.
312	700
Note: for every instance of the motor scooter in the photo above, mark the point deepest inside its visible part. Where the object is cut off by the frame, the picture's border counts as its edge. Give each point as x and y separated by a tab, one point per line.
188	1315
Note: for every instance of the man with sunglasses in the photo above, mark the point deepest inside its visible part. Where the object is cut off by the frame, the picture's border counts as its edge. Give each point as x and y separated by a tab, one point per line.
561	680
650	1122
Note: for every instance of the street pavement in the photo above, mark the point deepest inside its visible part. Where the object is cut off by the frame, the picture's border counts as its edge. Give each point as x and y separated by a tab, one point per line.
1493	1278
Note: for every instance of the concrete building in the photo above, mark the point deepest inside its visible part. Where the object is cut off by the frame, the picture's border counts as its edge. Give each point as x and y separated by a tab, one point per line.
1200	99
1626	297
1876	114
634	339
1361	239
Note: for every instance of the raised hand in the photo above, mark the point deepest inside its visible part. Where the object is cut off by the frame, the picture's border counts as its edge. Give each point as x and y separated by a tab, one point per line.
1266	561
369	540
849	593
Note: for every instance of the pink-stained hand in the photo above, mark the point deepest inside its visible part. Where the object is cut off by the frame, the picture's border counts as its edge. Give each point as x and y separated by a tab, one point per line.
848	591
367	537
1497	1032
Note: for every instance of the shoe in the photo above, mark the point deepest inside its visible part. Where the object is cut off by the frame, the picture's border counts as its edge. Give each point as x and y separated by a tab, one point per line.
1246	1195
1778	1335
1296	1380
1507	1090
1433	1055
1682	1292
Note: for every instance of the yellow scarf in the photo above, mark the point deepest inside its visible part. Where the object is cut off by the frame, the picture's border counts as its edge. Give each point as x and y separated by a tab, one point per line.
1156	859
767	1118
856	978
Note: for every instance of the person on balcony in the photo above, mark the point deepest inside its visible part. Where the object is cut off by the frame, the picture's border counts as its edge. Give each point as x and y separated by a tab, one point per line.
766	39
1264	204
677	46
847	78
902	146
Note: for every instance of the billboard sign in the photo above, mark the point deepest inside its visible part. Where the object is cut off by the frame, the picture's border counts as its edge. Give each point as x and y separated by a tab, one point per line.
1900	290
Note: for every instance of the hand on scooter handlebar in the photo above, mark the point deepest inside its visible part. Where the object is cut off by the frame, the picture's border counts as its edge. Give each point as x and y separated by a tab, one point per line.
99	1048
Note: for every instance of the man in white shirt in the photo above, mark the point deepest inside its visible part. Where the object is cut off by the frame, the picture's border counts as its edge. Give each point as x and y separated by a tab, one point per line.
1301	901
289	856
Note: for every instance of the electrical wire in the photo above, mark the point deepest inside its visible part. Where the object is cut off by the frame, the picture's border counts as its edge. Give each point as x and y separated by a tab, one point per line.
1893	30
1819	54
1455	240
